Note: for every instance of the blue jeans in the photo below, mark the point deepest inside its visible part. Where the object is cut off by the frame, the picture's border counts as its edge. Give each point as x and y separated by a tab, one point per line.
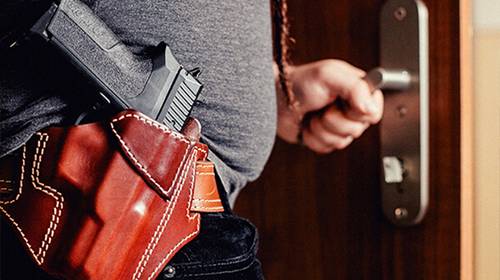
225	249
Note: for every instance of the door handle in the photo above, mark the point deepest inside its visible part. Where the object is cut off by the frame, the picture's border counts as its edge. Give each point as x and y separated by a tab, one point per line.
404	129
388	79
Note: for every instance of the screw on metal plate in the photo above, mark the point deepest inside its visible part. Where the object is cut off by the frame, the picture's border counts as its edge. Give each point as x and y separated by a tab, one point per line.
400	13
400	213
402	111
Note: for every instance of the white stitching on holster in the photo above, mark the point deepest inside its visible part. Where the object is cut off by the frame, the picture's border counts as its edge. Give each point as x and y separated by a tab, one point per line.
190	217
132	156
23	163
161	226
165	129
57	210
206	200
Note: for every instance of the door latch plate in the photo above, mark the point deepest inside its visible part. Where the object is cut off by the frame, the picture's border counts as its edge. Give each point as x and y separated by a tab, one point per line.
405	124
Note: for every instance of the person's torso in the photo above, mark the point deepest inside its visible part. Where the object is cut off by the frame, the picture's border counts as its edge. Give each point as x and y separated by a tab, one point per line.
231	42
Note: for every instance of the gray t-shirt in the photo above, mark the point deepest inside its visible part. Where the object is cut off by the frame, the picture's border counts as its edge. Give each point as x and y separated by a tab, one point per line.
229	40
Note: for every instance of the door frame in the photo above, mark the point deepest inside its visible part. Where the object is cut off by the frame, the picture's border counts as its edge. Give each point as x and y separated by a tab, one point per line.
466	144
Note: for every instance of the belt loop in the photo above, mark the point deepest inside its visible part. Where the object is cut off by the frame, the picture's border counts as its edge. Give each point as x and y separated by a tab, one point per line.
206	195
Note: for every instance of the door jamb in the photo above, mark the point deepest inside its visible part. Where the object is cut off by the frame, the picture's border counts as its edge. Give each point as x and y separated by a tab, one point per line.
466	144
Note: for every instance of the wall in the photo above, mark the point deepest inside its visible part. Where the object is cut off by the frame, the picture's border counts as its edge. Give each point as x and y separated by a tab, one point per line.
486	61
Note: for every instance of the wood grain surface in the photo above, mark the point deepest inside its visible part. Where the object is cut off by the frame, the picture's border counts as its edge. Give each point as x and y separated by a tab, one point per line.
319	217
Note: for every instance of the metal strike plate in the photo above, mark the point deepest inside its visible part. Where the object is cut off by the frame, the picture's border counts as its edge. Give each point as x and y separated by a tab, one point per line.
405	124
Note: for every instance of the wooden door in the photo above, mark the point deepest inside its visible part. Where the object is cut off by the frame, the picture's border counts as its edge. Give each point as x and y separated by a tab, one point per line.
319	217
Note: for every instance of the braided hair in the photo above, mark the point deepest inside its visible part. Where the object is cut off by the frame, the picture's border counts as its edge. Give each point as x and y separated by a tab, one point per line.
282	42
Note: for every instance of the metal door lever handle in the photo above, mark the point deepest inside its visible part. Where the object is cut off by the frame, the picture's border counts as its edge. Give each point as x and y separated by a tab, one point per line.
404	128
389	79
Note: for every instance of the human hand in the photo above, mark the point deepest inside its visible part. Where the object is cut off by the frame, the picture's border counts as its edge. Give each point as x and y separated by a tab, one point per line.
322	125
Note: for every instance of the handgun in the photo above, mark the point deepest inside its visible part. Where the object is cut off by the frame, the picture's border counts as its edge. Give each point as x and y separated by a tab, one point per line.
156	85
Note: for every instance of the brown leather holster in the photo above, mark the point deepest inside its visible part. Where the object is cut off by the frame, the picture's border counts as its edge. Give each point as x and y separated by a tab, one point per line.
108	200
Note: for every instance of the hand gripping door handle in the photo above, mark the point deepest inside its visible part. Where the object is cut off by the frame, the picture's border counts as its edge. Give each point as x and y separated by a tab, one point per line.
403	75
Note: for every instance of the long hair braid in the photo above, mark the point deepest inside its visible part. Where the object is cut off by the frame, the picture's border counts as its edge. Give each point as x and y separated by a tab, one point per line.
282	43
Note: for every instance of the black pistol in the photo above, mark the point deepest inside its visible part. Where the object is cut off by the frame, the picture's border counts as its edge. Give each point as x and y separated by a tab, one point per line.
157	86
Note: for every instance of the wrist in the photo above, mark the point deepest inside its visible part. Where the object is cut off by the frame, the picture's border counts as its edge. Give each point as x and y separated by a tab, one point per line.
289	124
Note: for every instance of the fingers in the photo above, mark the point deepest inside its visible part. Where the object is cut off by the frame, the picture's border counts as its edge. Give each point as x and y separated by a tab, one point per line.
323	142
334	121
331	131
346	81
365	106
339	77
316	86
340	65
